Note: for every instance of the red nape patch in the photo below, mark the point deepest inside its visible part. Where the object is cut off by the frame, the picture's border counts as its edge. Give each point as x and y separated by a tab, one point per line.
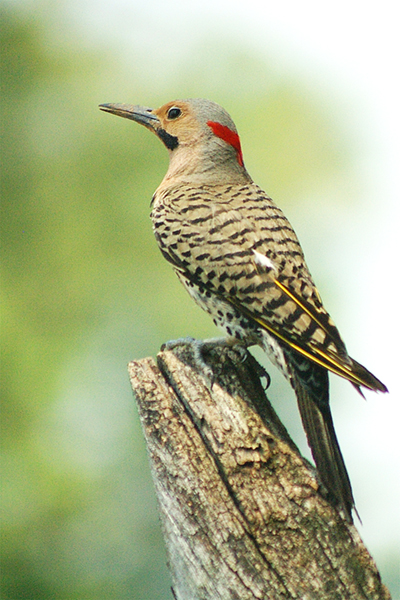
229	136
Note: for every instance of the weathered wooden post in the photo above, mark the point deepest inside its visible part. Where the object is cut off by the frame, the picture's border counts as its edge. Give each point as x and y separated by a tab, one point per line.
240	508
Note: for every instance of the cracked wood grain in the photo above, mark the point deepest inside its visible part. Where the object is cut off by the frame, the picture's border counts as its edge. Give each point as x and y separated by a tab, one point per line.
241	510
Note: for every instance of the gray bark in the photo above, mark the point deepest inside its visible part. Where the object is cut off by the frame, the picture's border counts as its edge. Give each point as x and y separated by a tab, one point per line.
242	513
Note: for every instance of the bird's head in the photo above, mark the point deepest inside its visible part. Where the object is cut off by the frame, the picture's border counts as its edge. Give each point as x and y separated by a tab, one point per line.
200	136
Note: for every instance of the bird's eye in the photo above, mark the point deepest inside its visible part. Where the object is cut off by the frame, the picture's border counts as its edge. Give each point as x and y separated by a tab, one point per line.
174	113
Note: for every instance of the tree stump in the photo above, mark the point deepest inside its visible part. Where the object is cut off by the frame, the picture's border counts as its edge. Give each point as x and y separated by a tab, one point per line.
242	513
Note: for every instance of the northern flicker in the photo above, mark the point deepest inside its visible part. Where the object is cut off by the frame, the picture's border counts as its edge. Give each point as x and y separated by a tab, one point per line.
240	260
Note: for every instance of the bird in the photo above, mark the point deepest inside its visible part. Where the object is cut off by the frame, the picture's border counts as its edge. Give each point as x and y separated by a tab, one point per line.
240	260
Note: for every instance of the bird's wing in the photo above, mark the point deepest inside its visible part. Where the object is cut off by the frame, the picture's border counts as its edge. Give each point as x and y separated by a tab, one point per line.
340	364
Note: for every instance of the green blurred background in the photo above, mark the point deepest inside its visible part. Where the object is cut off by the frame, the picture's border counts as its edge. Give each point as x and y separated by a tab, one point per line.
84	288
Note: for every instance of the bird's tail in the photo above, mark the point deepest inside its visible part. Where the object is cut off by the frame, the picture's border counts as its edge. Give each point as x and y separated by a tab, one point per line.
311	384
325	449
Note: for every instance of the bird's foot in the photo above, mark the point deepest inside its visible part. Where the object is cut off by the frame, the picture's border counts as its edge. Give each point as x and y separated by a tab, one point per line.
197	349
202	347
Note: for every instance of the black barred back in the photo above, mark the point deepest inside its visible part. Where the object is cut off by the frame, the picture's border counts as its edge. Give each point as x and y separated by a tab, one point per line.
234	241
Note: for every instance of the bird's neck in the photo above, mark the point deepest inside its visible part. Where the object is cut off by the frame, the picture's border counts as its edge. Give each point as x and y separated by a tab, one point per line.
195	165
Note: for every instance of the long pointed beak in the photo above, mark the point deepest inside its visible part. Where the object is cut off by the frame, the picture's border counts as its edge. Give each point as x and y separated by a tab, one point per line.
145	116
140	114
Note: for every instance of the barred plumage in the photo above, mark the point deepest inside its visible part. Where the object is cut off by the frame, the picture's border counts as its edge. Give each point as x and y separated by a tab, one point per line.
241	261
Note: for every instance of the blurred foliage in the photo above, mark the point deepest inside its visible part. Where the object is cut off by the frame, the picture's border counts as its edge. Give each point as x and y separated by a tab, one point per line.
84	290
66	250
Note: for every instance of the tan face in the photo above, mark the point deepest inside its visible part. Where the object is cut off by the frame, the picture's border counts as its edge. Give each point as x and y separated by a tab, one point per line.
177	118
